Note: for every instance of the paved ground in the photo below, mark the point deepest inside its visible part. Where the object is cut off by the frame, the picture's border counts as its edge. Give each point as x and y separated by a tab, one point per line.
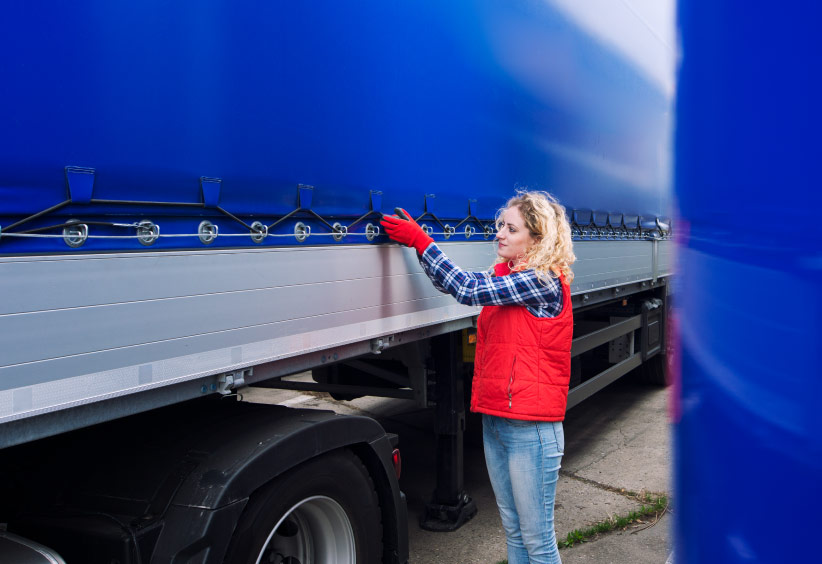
618	440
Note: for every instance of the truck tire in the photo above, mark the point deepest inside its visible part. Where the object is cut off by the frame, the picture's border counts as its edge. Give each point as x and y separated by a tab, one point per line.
325	510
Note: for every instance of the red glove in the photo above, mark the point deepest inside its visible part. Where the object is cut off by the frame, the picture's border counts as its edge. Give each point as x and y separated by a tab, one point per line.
406	231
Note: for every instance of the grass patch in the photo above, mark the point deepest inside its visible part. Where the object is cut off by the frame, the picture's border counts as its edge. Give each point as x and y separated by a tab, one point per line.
656	508
657	505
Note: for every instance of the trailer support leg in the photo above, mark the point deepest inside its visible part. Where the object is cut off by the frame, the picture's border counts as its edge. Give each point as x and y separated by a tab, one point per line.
450	506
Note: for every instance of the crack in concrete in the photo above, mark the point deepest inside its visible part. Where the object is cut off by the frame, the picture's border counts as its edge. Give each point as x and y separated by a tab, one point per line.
624	443
613	489
604	455
625	439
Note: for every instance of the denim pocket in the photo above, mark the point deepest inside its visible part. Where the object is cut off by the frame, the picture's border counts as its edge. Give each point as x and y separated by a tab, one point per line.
559	434
551	436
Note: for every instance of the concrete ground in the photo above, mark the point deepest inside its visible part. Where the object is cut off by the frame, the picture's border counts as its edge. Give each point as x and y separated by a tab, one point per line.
616	442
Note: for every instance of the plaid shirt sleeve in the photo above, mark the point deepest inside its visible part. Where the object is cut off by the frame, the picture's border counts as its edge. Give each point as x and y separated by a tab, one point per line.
542	299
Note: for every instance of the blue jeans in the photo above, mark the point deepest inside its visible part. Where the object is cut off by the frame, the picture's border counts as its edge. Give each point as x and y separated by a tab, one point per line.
523	463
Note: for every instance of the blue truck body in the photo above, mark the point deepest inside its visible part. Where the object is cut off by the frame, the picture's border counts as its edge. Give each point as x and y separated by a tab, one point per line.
465	101
748	417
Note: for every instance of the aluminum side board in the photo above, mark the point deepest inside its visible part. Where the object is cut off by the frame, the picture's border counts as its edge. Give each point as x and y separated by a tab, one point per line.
79	329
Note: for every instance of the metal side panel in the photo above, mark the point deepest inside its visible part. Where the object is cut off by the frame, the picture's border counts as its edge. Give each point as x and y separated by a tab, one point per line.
81	329
666	260
77	329
606	264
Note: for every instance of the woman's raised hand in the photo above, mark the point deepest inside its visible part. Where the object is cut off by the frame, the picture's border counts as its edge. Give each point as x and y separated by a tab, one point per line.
404	230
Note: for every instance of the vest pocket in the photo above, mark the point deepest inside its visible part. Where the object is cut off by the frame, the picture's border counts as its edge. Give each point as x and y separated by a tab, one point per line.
511	382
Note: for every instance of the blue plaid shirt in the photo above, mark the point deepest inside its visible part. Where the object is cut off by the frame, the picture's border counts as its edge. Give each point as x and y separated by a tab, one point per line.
542	299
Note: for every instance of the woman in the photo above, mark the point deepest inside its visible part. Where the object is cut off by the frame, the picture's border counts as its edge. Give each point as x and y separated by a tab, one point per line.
523	358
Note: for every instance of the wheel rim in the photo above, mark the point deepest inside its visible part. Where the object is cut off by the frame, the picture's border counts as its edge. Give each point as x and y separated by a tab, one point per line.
316	529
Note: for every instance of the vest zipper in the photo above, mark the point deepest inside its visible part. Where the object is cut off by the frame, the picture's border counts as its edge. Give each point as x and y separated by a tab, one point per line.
511	382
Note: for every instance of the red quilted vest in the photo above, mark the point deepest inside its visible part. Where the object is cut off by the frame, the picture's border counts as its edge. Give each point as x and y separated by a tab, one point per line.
523	362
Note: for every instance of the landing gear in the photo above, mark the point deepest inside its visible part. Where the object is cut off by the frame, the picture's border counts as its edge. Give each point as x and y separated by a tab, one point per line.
450	506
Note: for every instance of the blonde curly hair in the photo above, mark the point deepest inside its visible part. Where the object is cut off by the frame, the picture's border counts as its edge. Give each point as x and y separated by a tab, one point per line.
547	223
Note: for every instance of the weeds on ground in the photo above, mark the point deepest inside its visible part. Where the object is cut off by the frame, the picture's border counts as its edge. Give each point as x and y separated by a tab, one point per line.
657	507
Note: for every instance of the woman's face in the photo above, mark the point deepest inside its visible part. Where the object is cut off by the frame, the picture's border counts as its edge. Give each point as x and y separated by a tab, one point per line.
513	237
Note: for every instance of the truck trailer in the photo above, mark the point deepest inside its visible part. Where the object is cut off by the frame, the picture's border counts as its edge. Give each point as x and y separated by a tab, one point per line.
190	198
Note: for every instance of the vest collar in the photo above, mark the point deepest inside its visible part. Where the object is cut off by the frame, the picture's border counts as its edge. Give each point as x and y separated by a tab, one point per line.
501	269
504	268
